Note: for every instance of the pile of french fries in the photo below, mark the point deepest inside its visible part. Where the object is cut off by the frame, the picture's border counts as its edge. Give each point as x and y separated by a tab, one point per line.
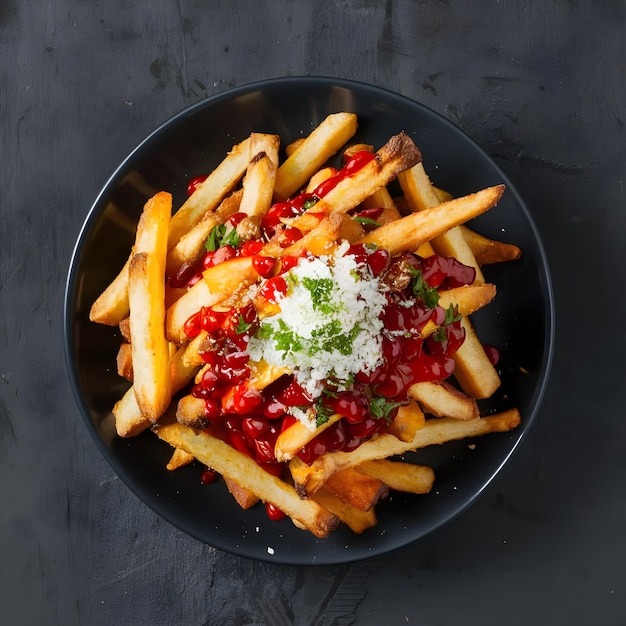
162	362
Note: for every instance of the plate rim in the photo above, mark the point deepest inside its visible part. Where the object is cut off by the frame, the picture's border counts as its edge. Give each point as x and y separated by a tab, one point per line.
69	313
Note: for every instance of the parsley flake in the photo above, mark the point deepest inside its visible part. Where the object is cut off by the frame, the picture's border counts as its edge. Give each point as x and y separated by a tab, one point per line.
218	237
421	289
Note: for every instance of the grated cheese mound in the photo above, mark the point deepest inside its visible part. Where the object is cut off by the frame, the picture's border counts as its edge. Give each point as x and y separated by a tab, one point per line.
329	324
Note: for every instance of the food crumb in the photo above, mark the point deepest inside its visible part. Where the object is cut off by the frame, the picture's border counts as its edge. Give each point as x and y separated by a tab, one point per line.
472	446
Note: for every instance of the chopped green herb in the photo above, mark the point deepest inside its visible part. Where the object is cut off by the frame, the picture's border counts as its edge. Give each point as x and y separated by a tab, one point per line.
421	289
366	221
452	314
321	291
310	202
322	412
219	237
440	334
381	408
242	326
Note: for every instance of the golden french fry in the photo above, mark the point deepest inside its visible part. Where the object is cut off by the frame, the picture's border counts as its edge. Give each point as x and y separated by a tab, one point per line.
111	306
398	154
258	184
146	294
472	368
362	491
325	140
124	327
382	198
245	498
124	362
351	150
410	232
220	182
319	177
489	251
443	400
233	464
469	298
190	412
355	519
309	478
179	458
400	476
408	420
321	239
293	146
297	436
419	193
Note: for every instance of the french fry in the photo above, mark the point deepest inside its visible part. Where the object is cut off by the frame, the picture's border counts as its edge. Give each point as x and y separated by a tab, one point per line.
410	232
297	436
309	478
355	519
400	476
469	298
473	370
421	195
489	251
408	420
466	300
258	184
179	459
211	192
146	294
124	327
190	412
395	156
362	491
443	400
319	177
313	152
112	306
242	469
245	498
293	146
321	239
124	362
381	198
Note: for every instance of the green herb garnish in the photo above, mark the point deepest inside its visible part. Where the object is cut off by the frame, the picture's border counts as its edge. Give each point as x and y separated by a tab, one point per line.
422	290
366	221
381	408
218	237
320	290
242	326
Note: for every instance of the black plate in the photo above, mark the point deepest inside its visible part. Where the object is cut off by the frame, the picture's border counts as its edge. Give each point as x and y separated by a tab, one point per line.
520	322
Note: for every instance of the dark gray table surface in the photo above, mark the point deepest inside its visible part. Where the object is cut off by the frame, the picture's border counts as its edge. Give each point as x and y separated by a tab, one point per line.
540	86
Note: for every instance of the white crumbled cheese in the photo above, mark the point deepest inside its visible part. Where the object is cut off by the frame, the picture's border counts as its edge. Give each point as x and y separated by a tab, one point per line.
329	324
